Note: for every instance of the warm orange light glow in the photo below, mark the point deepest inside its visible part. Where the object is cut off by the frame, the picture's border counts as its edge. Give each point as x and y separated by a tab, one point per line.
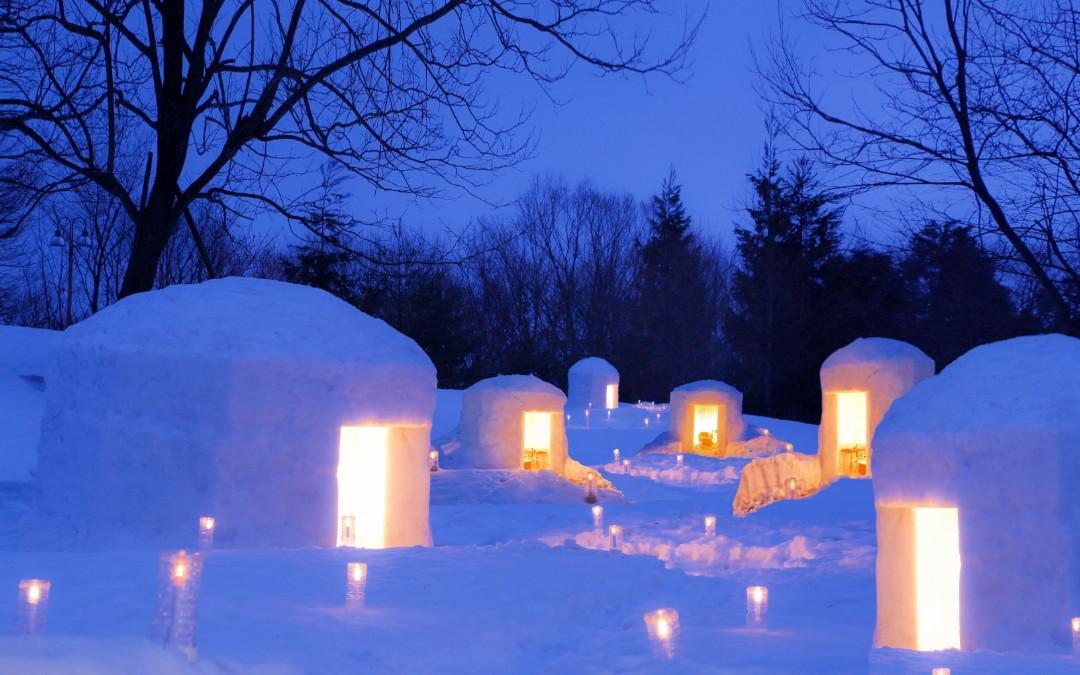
1076	624
710	524
357	571
598	516
537	431
757	594
851	419
362	477
937	578
615	454
615	538
33	593
940	671
180	569
206	524
678	460
706	423
611	396
663	628
757	607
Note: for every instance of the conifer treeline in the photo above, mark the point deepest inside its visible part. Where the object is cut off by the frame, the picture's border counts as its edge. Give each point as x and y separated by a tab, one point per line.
577	271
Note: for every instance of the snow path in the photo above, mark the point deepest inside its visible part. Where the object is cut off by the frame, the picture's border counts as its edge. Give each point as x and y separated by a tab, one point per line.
518	582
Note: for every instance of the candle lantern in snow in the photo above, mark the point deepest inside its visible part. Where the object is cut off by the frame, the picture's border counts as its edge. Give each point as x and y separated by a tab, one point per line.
175	618
757	607
355	585
710	525
433	460
790	488
33	605
1076	634
598	517
615	455
615	537
663	628
590	489
206	531
679	460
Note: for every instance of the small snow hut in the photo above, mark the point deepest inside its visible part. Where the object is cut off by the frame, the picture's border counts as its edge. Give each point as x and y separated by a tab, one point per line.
512	422
287	414
858	384
593	383
705	416
978	512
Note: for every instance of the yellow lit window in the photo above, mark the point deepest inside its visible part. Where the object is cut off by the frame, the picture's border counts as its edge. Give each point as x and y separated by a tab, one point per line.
362	475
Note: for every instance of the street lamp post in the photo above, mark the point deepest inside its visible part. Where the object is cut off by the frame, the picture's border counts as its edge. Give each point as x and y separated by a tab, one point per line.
59	240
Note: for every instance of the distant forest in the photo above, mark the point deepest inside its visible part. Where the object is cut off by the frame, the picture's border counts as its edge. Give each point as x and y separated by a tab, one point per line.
577	271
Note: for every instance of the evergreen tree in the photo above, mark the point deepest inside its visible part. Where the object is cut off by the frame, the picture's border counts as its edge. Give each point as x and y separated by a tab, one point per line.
954	299
777	327
674	312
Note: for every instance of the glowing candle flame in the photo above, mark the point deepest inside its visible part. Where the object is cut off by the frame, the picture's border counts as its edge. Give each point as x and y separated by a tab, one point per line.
615	454
33	594
678	460
710	525
663	628
757	607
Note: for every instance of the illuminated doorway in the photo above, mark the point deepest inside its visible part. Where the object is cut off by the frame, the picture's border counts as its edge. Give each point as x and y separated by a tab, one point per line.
362	477
706	426
611	396
536	441
853	431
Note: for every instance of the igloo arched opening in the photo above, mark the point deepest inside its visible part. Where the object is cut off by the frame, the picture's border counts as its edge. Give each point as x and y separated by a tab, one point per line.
287	414
592	383
512	422
858	384
705	416
978	516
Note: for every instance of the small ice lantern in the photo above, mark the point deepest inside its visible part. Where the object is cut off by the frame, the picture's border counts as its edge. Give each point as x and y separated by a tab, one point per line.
590	491
355	584
615	539
940	671
790	486
626	466
710	525
598	516
433	460
678	459
1076	634
175	618
663	627
615	454
206	531
757	607
33	606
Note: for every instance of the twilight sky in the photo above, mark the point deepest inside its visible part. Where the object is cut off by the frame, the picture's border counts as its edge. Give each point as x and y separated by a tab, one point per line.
623	133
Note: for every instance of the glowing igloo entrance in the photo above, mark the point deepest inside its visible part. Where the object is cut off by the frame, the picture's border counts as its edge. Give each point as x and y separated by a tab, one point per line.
536	440
852	409
707	427
918	577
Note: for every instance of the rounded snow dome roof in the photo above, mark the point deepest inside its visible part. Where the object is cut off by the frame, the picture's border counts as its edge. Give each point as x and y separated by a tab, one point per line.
517	383
706	385
874	350
593	365
1028	382
245	319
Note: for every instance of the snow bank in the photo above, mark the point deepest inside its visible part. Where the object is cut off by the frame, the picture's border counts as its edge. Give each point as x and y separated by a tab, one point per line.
765	480
227	398
587	383
858	384
997	436
24	356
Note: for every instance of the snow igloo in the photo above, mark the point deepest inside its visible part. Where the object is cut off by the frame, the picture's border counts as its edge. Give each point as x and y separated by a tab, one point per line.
978	507
858	384
705	416
593	383
287	414
512	422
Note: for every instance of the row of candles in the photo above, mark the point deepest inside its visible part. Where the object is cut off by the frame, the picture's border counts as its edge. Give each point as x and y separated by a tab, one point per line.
646	419
791	485
179	580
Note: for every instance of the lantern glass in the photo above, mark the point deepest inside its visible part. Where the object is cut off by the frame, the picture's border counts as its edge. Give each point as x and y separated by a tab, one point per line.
663	628
33	606
757	607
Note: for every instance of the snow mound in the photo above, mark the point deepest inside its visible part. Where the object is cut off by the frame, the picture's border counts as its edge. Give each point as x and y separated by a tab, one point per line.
664	469
227	398
765	480
587	382
26	351
995	435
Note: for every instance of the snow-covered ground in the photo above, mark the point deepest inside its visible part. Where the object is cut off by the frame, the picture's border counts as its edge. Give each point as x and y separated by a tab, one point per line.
518	581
